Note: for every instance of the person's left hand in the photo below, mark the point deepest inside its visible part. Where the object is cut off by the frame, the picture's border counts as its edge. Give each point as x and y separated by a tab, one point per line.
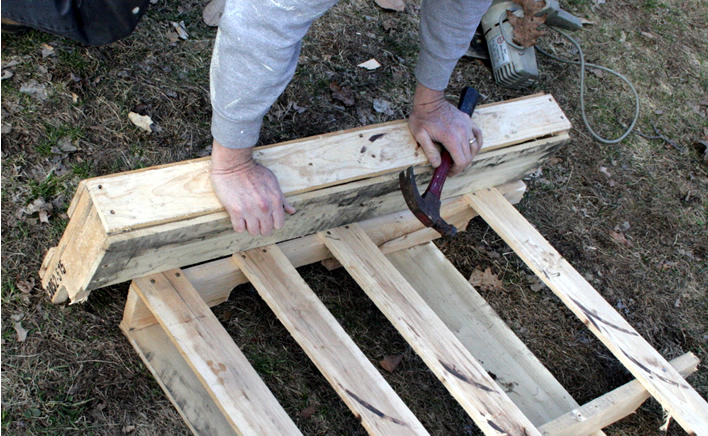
435	120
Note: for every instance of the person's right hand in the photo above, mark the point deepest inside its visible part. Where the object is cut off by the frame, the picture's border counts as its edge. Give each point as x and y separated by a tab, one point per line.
250	192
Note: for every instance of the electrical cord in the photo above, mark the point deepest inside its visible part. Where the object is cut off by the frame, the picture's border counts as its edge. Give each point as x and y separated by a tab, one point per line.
583	66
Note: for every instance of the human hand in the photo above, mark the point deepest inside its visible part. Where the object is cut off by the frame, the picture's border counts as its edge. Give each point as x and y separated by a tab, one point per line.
435	120
250	192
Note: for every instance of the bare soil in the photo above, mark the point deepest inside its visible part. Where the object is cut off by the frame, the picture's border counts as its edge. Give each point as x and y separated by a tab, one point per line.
630	217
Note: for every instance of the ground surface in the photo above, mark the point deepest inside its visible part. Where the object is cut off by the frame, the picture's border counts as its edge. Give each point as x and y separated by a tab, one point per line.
631	217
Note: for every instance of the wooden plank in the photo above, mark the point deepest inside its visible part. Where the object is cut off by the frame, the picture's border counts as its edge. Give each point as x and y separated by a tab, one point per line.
214	280
611	407
179	243
487	404
662	381
232	383
146	198
177	380
335	354
528	383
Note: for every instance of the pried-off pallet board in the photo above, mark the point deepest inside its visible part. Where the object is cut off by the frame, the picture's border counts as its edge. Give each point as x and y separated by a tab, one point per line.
148	226
432	305
132	224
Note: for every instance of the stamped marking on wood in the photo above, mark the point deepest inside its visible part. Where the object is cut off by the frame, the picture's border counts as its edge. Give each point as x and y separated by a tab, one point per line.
56	278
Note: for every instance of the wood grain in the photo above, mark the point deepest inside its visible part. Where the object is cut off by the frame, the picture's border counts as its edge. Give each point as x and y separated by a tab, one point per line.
330	348
659	378
485	402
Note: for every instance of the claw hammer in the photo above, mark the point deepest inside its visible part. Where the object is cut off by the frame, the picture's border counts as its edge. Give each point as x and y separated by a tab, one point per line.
426	207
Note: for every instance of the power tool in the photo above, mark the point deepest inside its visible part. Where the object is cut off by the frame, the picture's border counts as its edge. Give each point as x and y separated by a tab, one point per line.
513	65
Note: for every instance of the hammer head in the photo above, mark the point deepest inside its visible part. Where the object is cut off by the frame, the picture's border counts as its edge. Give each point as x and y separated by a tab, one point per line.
426	207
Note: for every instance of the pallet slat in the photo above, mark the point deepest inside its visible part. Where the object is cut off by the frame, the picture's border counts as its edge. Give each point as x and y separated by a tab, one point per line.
648	366
456	368
160	218
330	348
530	385
177	380
214	280
233	384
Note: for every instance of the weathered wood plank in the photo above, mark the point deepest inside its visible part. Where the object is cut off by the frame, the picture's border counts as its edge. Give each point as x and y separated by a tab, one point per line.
232	383
457	369
529	384
330	348
177	380
662	381
611	407
214	280
147	198
124	256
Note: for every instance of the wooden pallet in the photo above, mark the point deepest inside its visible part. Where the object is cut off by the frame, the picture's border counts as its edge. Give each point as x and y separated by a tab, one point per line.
124	227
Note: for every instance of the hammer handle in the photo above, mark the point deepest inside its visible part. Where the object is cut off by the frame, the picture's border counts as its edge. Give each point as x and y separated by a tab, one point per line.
468	101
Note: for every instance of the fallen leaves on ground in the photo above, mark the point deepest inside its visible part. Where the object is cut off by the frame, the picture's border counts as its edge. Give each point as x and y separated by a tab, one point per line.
526	28
342	93
35	89
485	280
47	50
619	237
308	412
392	5
21	332
142	121
383	107
371	64
181	29
390	363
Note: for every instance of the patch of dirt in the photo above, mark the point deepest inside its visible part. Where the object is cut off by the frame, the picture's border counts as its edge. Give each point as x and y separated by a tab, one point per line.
630	217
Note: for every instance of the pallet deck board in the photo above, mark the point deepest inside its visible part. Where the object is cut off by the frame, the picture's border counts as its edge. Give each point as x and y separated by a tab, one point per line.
529	384
159	218
214	280
354	378
472	387
224	372
664	383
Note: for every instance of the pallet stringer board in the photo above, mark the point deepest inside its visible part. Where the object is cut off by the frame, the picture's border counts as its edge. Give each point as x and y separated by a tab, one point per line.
346	368
649	367
473	388
611	407
238	391
214	280
156	219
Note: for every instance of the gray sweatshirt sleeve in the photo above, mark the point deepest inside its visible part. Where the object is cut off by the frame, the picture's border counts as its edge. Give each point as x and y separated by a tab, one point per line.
255	55
446	29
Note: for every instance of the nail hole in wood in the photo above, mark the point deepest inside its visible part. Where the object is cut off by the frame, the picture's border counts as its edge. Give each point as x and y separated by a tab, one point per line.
100	186
152	280
113	212
178	274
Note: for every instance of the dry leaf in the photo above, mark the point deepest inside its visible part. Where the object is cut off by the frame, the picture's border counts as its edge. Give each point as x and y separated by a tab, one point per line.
142	121
526	27
21	332
181	29
392	5
25	285
34	89
485	280
371	64
343	94
604	171
212	12
390	363
128	428
6	74
172	36
383	107
47	50
74	98
308	412
585	21
620	238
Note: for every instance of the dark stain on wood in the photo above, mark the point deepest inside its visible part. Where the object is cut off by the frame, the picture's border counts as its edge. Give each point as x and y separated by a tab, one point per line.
373	409
593	316
451	369
373	138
